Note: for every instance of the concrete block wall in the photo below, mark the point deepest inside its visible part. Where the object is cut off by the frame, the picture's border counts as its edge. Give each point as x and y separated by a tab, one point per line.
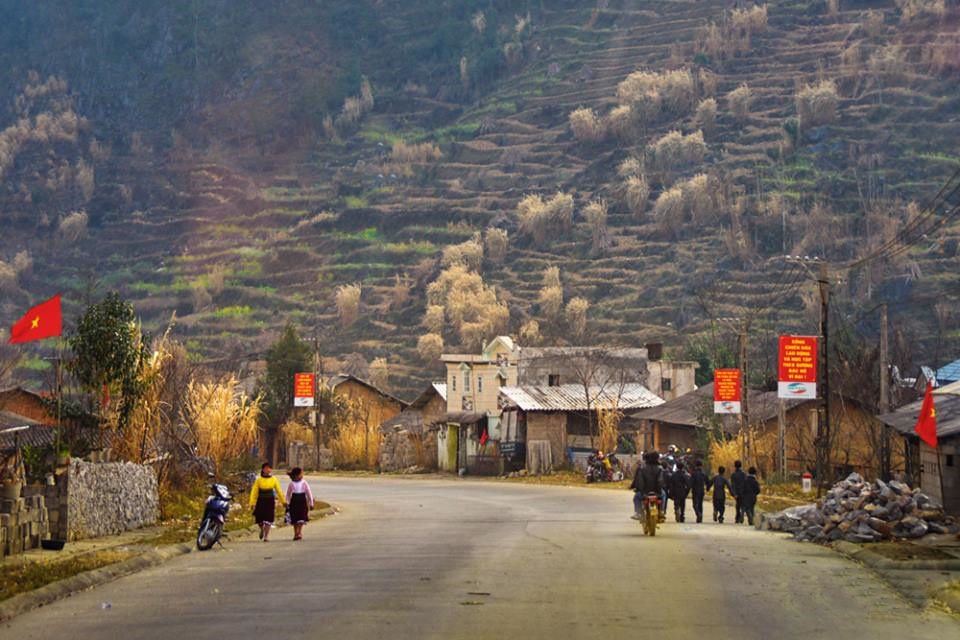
23	524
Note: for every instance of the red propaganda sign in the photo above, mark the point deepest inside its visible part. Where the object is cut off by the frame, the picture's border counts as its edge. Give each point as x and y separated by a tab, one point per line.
726	391
303	385
798	367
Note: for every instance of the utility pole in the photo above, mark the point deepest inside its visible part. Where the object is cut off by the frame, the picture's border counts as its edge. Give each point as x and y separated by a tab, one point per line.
885	454
316	401
744	390
823	431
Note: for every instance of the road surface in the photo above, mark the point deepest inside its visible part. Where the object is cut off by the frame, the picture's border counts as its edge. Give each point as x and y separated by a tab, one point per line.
433	558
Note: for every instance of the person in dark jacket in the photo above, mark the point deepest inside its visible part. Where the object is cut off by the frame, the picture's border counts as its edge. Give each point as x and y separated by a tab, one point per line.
679	489
667	467
737	480
647	479
751	489
720	485
699	483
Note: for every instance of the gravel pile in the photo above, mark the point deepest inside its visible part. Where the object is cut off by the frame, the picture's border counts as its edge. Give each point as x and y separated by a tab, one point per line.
859	511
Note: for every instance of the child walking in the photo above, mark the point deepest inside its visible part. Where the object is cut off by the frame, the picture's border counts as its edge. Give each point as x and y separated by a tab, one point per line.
751	489
263	500
300	499
720	487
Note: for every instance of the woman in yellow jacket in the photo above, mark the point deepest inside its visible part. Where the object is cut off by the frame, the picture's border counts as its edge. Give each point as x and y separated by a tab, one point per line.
263	500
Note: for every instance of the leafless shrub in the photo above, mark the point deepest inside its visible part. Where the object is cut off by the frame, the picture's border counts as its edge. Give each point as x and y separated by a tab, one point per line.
430	347
833	7
379	373
139	147
943	54
668	210
637	194
479	22
541	218
73	227
710	41
351	111
586	126
414	153
649	93
200	297
620	122
329	128
872	23
911	10
738	102
530	333
699	197
576	317
8	278
496	242
99	151
674	150
631	166
464	73
596	215
735	237
348	303
888	64
400	291
708	83
470	306
817	103
366	95
734	35
468	253
752	20
550	297
23	263
83	177
705	117
434	318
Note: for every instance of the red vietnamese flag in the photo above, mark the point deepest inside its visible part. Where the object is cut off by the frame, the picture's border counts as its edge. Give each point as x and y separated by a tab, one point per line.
42	321
927	422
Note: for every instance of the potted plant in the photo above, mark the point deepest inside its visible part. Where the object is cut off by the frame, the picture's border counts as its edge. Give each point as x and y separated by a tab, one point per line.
63	456
11	483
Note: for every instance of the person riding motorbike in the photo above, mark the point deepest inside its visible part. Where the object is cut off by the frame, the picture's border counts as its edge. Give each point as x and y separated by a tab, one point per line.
647	479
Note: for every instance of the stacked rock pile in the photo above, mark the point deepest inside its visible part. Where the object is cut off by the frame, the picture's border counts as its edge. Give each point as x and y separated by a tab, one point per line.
859	511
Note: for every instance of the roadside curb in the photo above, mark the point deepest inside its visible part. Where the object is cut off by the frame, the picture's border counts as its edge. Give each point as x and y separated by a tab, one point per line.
48	594
877	561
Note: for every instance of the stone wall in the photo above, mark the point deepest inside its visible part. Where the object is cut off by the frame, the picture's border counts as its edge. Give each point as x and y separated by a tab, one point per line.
109	498
303	455
23	524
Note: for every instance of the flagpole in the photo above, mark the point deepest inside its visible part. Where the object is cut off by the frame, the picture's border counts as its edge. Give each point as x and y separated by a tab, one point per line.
59	438
943	496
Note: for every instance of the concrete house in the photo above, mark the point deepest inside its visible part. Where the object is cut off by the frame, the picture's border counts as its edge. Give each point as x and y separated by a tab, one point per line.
924	464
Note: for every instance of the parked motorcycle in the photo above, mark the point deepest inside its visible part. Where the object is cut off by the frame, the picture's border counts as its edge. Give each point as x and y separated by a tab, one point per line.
214	517
603	468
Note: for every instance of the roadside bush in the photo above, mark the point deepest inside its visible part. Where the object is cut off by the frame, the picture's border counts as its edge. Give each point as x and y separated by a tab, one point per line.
817	104
430	347
221	419
348	303
738	102
705	117
586	126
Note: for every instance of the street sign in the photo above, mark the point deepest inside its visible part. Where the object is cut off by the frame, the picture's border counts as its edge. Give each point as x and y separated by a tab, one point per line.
798	368
303	386
726	391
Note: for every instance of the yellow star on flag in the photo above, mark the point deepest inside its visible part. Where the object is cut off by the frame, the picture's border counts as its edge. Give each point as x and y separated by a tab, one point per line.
36	323
933	412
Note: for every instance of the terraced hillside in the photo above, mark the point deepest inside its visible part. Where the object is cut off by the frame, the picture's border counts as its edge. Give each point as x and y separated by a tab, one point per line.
239	237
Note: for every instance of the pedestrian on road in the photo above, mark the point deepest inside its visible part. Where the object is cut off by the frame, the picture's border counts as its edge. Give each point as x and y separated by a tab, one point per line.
679	489
647	479
263	500
699	483
751	489
720	487
299	502
667	468
737	480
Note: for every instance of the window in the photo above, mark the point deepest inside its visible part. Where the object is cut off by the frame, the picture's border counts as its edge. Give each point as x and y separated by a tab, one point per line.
453	383
466	381
479	384
949	460
666	384
553	380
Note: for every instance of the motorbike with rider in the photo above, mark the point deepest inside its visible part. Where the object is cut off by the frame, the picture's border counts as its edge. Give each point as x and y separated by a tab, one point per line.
648	482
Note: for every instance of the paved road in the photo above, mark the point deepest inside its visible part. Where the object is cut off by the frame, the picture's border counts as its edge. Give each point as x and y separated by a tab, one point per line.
429	558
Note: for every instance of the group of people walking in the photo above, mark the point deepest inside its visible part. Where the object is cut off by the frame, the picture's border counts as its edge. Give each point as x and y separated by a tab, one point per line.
670	480
297	501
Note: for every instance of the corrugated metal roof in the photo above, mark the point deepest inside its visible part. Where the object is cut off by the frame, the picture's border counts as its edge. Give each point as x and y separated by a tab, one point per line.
571	397
949	373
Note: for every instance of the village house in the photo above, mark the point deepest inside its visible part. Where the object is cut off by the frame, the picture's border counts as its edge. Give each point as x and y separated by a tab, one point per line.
686	422
555	421
924	464
409	438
